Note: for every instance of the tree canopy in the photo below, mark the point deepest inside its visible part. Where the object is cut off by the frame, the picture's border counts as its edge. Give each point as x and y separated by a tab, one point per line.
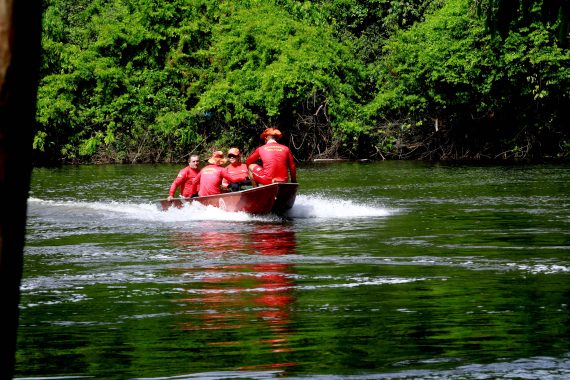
149	81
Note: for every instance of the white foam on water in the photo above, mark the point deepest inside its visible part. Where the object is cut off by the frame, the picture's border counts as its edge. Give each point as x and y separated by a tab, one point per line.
318	206
539	268
146	211
306	206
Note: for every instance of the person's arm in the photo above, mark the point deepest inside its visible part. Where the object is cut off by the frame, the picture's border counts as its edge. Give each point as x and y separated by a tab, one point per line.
225	182
252	159
175	184
227	176
196	183
292	167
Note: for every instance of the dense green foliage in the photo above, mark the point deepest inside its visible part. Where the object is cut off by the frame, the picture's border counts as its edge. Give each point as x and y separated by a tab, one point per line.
497	95
147	81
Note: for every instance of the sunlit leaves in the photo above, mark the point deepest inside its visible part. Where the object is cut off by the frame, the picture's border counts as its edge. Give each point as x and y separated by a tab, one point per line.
266	63
126	79
113	77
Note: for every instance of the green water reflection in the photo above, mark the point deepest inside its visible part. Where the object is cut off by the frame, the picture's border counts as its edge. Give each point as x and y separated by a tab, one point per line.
380	269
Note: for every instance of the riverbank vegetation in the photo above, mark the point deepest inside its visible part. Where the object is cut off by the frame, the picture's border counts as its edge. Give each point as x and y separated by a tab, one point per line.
152	81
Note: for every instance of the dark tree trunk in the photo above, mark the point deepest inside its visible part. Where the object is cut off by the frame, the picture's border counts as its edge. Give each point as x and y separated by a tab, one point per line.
20	27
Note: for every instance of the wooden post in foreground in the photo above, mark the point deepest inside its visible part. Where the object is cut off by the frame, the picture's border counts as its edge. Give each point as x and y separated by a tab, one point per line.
20	29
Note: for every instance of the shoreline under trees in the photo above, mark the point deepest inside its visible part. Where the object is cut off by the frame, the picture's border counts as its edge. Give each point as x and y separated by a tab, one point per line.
133	81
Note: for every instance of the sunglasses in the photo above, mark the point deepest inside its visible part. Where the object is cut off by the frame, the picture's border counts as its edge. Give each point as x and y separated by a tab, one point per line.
232	156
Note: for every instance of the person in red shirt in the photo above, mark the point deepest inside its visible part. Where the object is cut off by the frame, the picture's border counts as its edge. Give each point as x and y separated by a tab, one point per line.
276	158
209	180
183	180
237	170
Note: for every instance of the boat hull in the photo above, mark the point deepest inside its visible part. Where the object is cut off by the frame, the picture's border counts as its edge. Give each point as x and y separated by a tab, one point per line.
275	198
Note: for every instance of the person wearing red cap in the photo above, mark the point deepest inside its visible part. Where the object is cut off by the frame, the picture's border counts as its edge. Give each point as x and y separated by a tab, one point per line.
237	170
277	161
209	180
183	180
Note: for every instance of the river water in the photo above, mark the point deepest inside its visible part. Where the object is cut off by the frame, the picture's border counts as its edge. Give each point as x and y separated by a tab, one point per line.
390	270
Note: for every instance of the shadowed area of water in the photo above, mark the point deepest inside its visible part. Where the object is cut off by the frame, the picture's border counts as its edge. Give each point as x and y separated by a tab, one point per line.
393	270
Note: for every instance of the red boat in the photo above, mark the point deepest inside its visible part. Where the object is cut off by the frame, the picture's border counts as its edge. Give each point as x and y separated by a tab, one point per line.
269	199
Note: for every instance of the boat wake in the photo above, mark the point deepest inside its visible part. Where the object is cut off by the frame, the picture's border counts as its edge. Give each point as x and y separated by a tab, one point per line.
134	211
322	207
306	207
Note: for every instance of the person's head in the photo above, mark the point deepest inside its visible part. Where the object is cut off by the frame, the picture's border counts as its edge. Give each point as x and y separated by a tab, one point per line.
194	161
234	155
217	158
271	134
